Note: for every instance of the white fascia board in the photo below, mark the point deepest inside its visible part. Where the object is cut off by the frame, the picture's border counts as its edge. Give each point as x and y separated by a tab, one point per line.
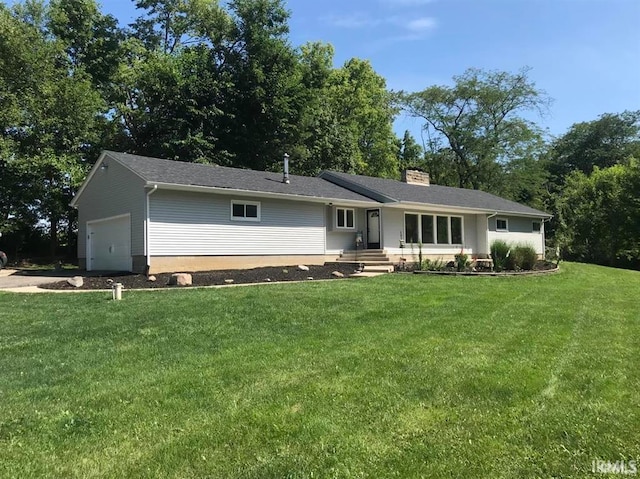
459	210
260	194
96	166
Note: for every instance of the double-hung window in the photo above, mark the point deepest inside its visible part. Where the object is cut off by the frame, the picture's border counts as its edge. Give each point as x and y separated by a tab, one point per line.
536	227
245	210
345	218
502	224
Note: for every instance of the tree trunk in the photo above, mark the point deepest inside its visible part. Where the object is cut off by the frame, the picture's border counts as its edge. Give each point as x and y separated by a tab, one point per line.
71	235
54	236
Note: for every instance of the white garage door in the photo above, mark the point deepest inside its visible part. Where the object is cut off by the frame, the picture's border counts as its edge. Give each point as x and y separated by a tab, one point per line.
109	244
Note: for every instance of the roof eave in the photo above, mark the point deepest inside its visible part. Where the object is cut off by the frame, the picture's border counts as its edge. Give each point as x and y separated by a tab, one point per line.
261	194
74	201
463	209
112	156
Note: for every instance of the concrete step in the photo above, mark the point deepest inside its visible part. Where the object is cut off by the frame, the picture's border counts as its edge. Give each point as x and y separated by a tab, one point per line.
377	251
386	268
364	258
361	261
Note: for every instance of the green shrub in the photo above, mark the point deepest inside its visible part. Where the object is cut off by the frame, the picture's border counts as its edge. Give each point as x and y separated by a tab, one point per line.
462	261
522	257
433	265
499	254
526	257
512	263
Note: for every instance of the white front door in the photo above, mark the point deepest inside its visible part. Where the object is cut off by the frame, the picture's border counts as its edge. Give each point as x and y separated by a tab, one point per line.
373	229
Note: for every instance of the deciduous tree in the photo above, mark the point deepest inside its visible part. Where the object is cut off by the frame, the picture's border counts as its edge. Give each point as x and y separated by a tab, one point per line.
607	141
482	119
599	215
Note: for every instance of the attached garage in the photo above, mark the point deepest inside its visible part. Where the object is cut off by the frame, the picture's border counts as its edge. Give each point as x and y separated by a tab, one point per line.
109	244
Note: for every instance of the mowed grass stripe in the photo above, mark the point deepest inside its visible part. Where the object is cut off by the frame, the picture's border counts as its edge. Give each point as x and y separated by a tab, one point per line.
396	376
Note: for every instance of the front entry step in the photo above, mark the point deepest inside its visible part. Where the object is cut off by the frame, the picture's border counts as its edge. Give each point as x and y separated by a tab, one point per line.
382	268
364	260
374	261
364	255
371	271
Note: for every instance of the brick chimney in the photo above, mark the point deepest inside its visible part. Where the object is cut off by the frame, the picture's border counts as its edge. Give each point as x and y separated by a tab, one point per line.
415	177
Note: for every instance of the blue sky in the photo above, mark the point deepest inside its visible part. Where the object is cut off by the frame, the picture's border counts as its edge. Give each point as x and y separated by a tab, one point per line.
584	53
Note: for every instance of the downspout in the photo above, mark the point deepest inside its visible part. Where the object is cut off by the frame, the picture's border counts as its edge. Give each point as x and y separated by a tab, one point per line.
544	237
487	233
147	252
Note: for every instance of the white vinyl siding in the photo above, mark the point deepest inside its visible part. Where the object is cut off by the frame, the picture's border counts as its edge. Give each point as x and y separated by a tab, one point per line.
199	224
519	232
338	239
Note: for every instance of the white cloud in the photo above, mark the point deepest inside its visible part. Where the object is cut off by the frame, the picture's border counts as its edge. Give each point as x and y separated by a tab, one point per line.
423	24
409	29
354	21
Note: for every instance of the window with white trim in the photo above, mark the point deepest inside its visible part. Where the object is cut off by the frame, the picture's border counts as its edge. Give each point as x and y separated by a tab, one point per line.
345	218
536	227
430	229
456	230
502	224
245	210
427	229
442	229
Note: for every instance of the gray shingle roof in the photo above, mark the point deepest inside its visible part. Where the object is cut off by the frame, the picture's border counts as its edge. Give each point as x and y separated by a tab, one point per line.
329	185
387	190
155	170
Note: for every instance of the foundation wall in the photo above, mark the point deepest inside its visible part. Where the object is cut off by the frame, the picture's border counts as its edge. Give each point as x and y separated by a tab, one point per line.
174	264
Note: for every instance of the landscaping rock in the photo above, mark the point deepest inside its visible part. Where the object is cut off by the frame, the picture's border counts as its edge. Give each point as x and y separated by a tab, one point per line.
285	271
228	281
302	267
310	278
180	279
210	278
76	281
337	274
152	278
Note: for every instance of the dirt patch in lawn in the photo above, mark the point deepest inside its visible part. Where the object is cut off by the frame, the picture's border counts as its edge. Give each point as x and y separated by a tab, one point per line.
212	278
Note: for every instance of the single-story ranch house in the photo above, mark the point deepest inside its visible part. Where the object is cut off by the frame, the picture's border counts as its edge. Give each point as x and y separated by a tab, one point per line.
152	215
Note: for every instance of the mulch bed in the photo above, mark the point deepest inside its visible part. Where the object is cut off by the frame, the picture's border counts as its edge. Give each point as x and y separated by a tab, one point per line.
540	267
211	278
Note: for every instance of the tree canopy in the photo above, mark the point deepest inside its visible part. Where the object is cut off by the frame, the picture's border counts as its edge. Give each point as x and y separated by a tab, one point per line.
479	123
605	142
191	80
599	215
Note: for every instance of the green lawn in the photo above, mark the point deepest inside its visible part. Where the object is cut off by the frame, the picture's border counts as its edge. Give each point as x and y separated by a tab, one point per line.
397	376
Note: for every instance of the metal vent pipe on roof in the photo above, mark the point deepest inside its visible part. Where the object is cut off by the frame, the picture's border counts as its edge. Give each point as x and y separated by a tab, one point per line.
285	179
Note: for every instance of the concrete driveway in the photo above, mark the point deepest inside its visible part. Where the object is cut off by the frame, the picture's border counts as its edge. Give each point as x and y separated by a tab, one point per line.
11	278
